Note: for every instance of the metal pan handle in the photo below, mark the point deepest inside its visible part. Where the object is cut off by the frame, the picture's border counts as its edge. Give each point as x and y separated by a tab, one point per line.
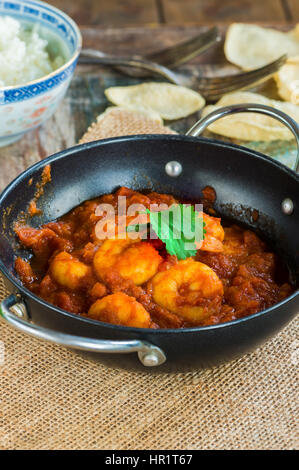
14	311
201	125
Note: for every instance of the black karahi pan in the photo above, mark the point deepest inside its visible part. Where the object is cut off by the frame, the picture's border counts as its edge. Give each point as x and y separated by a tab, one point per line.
246	183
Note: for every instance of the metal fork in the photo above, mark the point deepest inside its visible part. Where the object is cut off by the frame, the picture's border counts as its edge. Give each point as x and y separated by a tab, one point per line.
169	57
96	57
183	52
212	88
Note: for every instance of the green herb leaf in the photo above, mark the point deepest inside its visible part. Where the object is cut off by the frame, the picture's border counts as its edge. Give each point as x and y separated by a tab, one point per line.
179	228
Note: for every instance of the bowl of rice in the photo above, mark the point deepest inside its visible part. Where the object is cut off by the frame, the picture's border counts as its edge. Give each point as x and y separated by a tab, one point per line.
39	49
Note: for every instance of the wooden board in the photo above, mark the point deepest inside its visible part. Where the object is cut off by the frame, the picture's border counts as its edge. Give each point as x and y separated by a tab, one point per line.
293	6
110	13
143	12
207	11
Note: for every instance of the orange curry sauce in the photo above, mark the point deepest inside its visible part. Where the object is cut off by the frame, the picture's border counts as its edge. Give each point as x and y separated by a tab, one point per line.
137	283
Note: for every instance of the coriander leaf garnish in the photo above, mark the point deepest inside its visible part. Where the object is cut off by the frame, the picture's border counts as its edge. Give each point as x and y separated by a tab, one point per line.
180	228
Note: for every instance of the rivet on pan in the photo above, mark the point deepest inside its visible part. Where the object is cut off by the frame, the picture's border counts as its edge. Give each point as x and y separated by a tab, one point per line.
287	206
150	360
173	168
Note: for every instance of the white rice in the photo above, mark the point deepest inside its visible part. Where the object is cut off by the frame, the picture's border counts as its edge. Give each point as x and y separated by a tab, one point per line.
23	55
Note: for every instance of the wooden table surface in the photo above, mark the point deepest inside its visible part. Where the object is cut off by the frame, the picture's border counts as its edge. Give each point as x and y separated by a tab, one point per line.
143	12
155	24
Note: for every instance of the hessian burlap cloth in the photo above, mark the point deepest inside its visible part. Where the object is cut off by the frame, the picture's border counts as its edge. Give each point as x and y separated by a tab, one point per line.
53	398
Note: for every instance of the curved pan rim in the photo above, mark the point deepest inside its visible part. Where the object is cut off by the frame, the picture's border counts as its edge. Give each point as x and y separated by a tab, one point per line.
143	137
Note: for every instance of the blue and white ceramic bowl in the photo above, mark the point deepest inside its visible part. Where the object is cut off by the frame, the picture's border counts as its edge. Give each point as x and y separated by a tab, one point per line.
25	107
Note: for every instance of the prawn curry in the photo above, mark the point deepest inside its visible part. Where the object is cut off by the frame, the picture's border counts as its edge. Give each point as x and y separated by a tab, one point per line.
137	281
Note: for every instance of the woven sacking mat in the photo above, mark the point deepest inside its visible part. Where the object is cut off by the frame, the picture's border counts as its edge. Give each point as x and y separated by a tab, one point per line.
53	398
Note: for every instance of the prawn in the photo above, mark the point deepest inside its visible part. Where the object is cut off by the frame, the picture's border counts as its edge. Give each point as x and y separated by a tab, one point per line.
120	309
132	259
189	289
214	234
68	271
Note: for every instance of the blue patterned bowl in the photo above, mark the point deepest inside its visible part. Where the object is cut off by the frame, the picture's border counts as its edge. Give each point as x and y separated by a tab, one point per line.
25	107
